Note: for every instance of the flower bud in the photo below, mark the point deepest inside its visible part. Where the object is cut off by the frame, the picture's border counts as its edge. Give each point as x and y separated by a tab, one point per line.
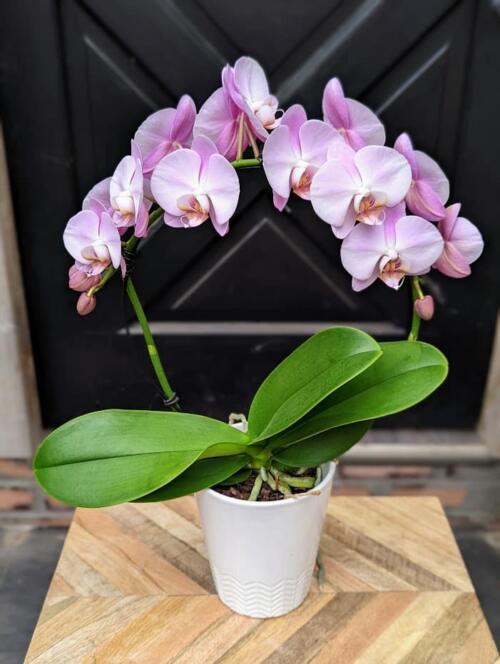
425	307
85	304
79	281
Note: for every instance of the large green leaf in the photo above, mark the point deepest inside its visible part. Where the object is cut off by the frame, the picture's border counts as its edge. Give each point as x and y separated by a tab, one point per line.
407	373
114	456
201	475
323	447
313	371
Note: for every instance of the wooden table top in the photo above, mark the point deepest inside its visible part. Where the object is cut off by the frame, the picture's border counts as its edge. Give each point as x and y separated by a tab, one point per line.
133	585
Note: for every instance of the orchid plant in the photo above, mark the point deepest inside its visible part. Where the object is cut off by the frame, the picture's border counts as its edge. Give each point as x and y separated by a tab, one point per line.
387	205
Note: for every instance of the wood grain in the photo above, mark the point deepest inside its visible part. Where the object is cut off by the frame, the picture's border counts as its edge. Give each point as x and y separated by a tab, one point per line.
133	584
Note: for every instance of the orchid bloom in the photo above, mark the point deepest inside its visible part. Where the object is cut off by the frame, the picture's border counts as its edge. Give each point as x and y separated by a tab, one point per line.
126	192
358	125
463	244
194	184
165	131
123	195
94	241
403	245
429	188
240	111
359	186
294	152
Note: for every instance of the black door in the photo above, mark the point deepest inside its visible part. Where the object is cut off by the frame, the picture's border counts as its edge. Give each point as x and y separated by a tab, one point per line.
76	80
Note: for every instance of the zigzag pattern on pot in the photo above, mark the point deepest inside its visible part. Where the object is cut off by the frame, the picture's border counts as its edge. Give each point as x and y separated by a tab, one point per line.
259	599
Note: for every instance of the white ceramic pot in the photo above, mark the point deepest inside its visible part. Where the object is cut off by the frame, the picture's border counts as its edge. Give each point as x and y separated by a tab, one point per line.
262	554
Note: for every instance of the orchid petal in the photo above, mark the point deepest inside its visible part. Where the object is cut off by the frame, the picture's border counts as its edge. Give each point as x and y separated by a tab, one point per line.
366	128
404	146
153	136
293	118
123	176
335	109
109	234
222	186
98	197
316	137
81	231
279	156
423	201
216	120
135	150
250	79
463	244
360	284
448	220
362	250
141	224
181	131
384	169
279	201
467	239
418	243
452	263
205	148
174	221
432	173
391	216
176	175
332	191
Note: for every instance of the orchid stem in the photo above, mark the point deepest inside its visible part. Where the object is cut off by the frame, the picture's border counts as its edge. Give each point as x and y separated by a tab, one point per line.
150	343
246	163
416	294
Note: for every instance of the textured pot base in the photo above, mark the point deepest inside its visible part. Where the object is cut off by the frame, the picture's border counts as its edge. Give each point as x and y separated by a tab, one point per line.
258	600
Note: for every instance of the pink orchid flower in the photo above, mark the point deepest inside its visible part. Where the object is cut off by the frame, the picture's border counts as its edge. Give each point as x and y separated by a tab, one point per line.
240	111
358	125
294	152
430	187
359	186
463	244
94	241
123	195
403	245
166	130
194	184
126	193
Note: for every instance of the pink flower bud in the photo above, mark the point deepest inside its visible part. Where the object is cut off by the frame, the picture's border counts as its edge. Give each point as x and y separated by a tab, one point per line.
85	304
79	281
425	307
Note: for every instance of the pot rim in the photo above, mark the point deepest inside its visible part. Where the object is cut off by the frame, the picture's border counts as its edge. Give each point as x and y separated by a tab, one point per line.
332	466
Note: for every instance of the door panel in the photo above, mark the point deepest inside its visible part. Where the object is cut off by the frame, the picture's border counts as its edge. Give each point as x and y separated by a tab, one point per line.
225	310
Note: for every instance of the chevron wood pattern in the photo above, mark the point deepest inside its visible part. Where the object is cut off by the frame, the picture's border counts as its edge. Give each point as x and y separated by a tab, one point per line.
133	585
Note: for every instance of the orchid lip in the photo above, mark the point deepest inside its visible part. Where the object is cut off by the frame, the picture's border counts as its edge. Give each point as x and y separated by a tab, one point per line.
195	211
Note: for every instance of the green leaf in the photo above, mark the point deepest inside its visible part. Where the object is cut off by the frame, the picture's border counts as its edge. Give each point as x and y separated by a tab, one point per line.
201	475
114	456
323	447
313	371
238	477
407	373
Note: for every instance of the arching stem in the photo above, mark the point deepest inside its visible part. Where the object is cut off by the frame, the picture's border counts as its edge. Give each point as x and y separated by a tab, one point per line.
150	344
416	294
